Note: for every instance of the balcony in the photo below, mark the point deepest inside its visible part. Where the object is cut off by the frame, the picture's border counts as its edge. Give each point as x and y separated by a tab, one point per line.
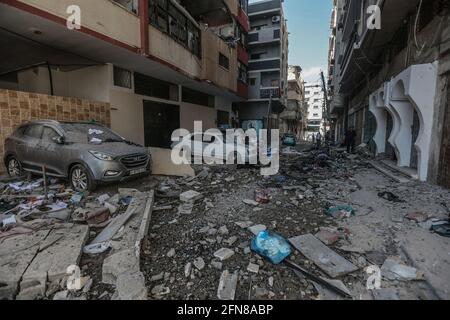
270	92
264	36
242	89
266	64
264	7
362	51
242	55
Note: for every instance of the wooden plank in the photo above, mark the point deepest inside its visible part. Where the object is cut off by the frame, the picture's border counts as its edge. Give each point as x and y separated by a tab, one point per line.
326	259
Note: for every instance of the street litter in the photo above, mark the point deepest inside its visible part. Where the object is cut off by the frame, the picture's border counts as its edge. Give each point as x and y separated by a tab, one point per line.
442	229
390	197
276	249
271	246
262	196
341	212
418	217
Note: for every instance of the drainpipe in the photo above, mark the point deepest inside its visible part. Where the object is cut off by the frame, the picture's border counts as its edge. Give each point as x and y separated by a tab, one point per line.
50	78
144	24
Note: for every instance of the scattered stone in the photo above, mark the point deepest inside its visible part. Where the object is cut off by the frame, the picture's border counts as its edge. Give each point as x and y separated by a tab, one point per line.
224	254
227	286
244	224
160	290
418	217
257	229
231	240
187	269
217	265
158	277
223	230
253	268
199	263
171	253
271	280
190	196
186	208
250	202
62	295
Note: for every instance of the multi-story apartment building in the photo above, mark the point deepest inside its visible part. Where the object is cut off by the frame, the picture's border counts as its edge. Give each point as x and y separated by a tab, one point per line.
315	98
156	65
268	65
294	118
391	83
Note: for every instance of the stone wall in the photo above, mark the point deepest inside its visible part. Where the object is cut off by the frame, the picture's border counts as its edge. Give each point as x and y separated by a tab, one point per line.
19	107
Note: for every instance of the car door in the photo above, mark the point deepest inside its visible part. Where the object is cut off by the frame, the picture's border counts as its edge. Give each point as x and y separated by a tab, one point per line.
50	153
29	148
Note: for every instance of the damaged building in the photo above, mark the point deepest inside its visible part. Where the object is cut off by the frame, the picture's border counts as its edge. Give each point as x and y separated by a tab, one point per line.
390	82
142	67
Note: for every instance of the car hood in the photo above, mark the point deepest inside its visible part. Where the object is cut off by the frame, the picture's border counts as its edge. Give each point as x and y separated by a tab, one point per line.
115	149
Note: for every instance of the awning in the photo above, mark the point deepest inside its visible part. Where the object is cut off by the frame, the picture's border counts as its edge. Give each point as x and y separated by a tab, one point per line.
211	12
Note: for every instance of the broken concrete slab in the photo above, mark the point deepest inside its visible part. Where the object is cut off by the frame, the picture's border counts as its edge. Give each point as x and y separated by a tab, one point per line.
131	286
16	254
250	202
224	254
186	208
395	269
253	268
62	248
190	196
227	286
121	262
199	263
327	294
326	259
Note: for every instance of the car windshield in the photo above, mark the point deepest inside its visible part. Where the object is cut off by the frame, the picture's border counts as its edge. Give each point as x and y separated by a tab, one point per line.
89	133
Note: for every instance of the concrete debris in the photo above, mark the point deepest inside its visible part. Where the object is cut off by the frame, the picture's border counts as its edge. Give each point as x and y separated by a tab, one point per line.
395	269
224	254
326	259
250	202
199	263
227	286
257	229
190	196
253	268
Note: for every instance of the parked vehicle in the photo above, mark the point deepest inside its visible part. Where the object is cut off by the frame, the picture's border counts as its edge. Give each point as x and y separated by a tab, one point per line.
289	140
241	154
86	154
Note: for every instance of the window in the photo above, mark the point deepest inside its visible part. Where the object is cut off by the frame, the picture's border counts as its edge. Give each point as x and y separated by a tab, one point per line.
242	72
167	18
315	115
130	5
48	134
275	83
253	81
224	61
33	131
122	78
259	27
148	86
257	56
197	97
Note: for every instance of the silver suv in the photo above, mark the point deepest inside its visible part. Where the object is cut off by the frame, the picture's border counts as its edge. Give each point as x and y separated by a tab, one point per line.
85	153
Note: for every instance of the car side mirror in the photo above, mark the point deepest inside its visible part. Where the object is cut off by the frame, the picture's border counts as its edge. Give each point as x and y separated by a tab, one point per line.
59	140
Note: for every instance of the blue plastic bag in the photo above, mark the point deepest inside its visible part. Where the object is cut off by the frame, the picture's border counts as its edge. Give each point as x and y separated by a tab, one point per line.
272	246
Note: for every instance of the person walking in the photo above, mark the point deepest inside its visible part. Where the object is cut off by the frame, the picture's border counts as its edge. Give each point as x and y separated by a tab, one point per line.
350	140
319	140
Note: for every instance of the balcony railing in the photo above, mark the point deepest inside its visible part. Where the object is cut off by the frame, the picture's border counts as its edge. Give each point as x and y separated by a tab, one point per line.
270	92
264	35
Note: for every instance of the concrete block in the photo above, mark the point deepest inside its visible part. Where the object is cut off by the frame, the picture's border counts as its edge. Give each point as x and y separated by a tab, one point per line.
117	264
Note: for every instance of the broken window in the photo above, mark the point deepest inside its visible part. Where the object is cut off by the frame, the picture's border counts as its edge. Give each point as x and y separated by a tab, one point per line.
169	19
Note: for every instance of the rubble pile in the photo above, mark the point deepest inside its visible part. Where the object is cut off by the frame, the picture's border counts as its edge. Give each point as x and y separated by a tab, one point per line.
47	230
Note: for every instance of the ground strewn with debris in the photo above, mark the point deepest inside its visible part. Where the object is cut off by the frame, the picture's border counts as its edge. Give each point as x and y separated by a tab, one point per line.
198	244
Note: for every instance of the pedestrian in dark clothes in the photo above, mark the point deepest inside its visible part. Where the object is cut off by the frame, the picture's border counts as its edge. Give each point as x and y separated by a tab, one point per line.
350	140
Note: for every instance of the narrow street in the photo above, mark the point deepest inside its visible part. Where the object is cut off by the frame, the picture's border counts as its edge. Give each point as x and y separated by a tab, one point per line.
297	206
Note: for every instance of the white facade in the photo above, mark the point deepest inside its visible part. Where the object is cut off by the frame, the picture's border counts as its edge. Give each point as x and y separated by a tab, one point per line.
315	99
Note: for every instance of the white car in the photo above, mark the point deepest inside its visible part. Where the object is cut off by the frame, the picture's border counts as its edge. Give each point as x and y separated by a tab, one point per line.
213	147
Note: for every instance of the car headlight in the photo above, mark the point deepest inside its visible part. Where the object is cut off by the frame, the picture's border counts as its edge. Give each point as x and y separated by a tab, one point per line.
102	156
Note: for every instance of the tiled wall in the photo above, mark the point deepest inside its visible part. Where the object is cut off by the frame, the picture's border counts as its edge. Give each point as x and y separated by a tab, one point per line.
19	107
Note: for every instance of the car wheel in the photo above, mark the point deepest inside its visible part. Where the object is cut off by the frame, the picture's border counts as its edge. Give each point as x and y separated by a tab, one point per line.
14	167
80	179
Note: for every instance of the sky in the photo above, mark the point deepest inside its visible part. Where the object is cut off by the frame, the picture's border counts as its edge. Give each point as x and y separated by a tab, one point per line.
309	27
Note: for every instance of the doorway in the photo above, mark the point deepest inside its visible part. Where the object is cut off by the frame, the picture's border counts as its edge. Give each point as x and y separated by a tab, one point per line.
415	130
160	121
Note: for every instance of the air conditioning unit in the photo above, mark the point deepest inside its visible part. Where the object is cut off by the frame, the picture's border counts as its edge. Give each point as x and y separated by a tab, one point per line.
227	32
276	19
